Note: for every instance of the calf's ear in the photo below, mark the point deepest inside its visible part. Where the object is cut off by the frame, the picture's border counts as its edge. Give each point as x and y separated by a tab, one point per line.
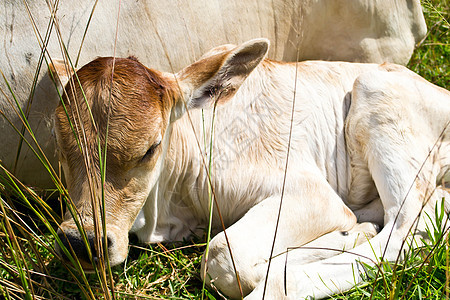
60	73
216	77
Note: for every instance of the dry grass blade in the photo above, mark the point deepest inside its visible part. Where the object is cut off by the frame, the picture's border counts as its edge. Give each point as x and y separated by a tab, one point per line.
284	179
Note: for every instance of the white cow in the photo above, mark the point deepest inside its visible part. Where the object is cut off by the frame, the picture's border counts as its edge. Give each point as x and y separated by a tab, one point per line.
367	146
168	35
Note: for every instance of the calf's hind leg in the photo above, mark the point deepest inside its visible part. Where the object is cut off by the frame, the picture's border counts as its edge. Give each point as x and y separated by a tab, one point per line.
394	132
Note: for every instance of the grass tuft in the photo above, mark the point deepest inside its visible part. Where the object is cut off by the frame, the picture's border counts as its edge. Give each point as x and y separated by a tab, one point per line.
431	58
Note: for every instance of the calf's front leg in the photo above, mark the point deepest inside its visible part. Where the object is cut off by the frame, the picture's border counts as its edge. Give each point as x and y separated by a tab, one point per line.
310	211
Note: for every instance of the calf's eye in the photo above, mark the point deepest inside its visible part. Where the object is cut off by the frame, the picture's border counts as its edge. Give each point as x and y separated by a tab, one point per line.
151	150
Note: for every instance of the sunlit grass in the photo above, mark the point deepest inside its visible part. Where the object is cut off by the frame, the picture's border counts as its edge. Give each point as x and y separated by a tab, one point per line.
432	57
423	274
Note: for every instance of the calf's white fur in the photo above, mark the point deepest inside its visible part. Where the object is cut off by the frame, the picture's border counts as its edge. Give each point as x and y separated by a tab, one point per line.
369	143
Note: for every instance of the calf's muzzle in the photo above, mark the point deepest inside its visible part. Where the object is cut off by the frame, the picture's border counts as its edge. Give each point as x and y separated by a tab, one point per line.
73	241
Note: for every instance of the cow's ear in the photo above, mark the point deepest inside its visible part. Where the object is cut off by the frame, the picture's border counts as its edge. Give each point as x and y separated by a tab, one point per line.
60	73
216	78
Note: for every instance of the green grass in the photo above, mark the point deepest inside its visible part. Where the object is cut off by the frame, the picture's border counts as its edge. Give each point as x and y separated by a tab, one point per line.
30	269
424	274
431	59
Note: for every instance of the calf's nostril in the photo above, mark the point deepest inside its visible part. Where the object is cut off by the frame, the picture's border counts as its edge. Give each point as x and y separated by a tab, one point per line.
73	240
70	240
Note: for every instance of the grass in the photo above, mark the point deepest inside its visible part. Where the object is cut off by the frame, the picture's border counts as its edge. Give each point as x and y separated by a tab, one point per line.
30	268
424	274
431	59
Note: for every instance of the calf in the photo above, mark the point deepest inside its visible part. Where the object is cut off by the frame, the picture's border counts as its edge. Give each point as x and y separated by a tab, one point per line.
168	35
336	149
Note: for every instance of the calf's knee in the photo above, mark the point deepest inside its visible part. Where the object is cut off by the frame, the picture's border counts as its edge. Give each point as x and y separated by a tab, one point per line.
219	271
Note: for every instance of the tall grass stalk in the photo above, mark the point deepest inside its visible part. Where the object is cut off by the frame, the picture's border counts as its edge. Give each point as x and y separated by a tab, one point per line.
212	200
210	195
83	285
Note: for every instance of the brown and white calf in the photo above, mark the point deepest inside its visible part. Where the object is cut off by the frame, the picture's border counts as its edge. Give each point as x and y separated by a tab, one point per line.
368	145
169	35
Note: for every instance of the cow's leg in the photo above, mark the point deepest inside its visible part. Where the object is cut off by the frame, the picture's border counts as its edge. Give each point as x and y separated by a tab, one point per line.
398	133
329	245
396	138
309	212
293	279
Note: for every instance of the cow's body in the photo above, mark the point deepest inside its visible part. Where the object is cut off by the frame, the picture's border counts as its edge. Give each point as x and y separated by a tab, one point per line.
170	34
364	136
251	134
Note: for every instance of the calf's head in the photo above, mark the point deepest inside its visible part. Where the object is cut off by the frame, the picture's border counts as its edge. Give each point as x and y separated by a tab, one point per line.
113	130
